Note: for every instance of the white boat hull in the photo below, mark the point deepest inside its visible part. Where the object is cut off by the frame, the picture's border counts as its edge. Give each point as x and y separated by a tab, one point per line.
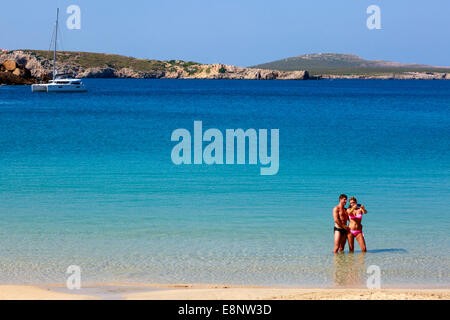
49	87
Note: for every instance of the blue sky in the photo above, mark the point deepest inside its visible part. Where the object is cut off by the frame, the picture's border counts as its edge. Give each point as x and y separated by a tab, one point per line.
239	32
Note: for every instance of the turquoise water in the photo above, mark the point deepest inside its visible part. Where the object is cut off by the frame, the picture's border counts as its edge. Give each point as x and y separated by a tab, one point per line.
87	179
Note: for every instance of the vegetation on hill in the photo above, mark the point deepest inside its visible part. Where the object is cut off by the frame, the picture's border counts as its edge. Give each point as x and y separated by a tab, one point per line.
344	64
114	61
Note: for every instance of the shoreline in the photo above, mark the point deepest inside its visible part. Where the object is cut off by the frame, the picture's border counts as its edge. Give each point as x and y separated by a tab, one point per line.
355	77
143	291
33	66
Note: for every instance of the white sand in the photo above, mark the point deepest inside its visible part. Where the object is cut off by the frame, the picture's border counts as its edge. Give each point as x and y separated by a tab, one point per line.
212	292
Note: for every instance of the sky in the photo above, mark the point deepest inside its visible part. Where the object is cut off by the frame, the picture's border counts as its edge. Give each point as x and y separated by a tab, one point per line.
238	32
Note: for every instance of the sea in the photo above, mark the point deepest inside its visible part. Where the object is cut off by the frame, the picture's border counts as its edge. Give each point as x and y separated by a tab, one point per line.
87	180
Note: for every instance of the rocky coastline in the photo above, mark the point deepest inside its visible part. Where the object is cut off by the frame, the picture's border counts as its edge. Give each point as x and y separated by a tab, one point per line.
31	66
40	68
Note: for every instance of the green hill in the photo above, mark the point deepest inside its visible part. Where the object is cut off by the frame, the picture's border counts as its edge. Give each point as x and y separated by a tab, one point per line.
334	63
100	60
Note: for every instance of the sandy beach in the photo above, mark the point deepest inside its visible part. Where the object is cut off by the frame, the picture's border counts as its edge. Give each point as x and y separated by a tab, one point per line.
210	292
17	292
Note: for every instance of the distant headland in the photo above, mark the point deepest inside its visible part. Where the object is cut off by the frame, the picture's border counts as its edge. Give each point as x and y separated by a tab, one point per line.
31	66
350	66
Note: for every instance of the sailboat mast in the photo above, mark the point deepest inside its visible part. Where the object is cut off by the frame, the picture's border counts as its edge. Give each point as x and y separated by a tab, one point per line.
56	38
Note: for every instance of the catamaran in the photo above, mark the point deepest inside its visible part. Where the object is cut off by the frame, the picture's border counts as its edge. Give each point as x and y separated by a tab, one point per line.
60	82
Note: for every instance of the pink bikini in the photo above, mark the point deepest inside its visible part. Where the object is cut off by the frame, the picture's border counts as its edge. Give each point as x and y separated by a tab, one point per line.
356	232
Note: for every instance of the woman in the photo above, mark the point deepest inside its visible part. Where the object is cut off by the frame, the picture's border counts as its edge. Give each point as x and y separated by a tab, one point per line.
355	212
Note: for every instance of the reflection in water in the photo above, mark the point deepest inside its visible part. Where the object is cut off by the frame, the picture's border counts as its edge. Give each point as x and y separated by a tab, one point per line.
349	270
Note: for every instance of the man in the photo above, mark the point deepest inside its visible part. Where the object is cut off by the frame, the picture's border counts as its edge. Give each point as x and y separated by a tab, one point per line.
340	217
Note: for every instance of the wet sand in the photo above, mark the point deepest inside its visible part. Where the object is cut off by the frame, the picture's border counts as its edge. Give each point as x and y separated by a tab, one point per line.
115	291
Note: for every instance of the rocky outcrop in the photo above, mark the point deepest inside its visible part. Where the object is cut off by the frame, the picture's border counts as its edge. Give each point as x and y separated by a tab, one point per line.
12	73
222	71
9	65
96	73
40	69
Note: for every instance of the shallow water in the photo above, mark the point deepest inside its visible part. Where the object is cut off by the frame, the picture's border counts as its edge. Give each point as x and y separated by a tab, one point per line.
87	179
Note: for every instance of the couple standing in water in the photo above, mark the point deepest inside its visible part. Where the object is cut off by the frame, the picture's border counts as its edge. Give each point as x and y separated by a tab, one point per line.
352	231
